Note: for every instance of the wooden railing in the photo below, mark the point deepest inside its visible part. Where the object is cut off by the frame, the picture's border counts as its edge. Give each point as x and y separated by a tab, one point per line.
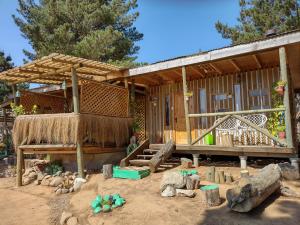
236	115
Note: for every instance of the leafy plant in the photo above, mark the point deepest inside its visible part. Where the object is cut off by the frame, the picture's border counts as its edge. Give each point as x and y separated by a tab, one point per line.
135	127
281	128
35	109
17	109
53	167
281	83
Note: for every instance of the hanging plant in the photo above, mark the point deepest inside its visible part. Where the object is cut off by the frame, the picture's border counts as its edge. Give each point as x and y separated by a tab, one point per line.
280	87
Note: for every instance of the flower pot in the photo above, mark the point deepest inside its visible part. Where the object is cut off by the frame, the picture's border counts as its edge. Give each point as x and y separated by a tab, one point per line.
281	134
280	90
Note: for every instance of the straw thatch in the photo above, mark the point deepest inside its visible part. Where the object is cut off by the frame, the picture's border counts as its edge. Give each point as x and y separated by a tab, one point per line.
71	128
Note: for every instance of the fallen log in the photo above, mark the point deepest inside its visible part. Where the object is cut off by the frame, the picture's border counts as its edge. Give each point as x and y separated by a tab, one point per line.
253	190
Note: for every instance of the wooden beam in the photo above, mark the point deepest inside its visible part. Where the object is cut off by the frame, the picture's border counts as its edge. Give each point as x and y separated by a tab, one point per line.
285	76
80	163
186	106
257	61
211	129
238	69
238	112
196	71
215	68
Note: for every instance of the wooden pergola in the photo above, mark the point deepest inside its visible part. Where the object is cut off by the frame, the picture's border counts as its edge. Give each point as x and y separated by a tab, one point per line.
58	69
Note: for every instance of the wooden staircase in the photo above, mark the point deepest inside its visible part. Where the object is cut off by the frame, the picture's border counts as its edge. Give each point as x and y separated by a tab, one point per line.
156	156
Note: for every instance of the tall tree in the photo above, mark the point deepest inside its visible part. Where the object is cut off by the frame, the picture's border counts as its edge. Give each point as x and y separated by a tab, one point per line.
259	16
5	64
94	29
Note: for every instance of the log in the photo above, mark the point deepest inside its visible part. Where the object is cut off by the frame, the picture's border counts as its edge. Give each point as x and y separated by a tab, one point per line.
210	195
228	178
161	155
217	178
192	182
108	171
253	190
210	174
186	163
221	176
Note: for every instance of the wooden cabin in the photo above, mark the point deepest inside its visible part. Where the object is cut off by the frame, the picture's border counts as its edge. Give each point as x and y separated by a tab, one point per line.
228	93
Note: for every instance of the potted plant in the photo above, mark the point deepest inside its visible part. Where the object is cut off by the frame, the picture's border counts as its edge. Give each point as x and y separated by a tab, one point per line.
280	87
135	129
281	131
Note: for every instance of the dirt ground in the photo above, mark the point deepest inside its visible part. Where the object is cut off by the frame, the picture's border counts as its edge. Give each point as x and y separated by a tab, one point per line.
38	205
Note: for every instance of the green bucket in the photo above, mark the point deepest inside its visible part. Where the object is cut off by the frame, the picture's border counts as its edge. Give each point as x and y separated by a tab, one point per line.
209	139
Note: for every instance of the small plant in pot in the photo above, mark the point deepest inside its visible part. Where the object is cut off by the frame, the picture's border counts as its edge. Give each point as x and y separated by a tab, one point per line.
280	87
281	132
135	129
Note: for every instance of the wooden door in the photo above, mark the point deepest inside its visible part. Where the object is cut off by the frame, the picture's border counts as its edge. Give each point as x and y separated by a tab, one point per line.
180	128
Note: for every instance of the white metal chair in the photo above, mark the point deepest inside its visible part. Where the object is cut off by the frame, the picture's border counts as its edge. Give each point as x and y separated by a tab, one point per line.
257	119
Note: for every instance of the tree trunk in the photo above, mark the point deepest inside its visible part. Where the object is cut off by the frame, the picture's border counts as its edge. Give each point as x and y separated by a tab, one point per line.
107	171
251	191
210	195
221	177
210	174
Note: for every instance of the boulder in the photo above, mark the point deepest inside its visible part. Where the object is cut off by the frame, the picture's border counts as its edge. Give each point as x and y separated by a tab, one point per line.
78	182
64	217
288	171
72	221
27	180
169	192
175	179
186	163
37	182
185	193
58	191
45	182
32	175
40	176
64	190
56	181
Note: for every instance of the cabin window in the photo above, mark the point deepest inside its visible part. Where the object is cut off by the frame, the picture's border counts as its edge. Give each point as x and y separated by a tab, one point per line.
167	111
203	106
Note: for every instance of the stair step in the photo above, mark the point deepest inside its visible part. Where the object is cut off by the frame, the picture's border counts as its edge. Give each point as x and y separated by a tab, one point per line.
151	151
139	162
160	169
166	166
171	163
156	146
144	156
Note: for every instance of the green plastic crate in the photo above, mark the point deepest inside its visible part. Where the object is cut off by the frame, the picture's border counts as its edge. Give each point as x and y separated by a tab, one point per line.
131	174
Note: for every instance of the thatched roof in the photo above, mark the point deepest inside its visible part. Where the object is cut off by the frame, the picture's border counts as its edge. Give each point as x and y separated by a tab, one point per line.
56	68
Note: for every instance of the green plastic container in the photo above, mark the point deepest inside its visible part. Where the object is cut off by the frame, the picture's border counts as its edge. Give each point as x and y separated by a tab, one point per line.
209	139
130	174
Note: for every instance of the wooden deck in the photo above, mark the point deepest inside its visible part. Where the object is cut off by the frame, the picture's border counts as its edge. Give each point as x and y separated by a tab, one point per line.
255	151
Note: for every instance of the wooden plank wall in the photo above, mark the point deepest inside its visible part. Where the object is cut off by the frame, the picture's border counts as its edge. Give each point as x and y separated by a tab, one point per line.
157	130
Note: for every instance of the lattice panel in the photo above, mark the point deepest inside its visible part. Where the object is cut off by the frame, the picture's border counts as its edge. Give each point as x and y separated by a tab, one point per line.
104	99
46	103
140	116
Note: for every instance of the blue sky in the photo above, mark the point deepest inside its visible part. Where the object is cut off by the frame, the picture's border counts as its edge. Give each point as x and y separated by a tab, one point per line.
171	28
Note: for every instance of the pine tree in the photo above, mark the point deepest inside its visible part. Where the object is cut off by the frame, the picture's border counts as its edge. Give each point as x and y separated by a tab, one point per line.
259	16
5	64
94	29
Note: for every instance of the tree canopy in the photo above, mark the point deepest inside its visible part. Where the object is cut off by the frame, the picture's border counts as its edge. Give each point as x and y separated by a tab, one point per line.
259	16
5	64
95	29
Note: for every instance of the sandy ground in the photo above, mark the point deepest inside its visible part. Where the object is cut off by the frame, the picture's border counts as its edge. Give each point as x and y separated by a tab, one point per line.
38	205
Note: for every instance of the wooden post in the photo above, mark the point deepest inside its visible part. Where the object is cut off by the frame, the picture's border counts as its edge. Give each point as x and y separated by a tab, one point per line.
286	98
76	110
132	98
186	106
126	83
64	86
14	91
20	163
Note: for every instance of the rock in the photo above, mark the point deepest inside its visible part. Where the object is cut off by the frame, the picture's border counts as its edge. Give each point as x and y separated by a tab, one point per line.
37	182
87	176
64	190
56	181
47	176
185	193
288	171
186	163
64	217
72	221
27	180
28	171
32	175
78	182
40	176
175	179
68	173
58	191
45	182
169	192
58	173
71	189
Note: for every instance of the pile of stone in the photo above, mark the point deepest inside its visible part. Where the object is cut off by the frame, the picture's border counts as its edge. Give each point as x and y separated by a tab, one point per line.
176	183
63	182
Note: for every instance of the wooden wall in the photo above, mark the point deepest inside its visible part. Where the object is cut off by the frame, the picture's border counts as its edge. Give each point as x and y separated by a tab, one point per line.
255	92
